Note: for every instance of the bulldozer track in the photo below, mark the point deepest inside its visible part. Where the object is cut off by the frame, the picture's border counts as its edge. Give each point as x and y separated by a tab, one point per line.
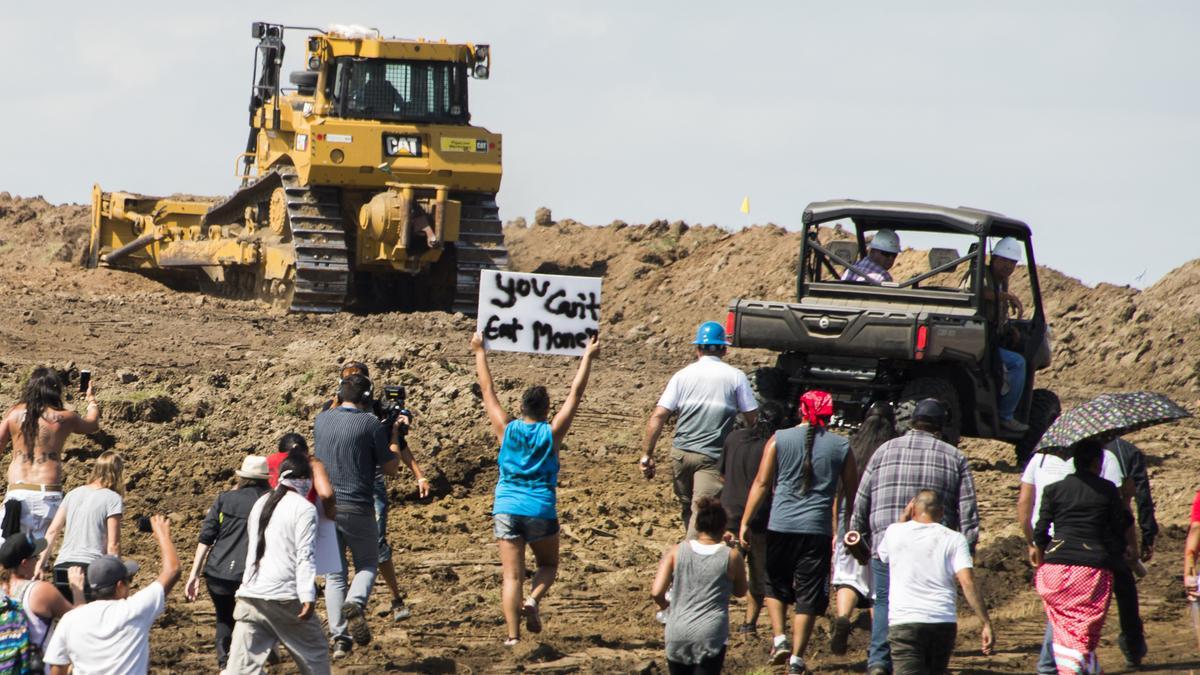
480	247
321	281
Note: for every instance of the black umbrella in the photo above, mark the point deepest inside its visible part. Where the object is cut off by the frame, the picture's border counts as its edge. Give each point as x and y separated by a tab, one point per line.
1108	416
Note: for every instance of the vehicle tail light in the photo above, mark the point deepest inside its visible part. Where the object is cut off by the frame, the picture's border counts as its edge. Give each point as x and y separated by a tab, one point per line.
922	342
730	322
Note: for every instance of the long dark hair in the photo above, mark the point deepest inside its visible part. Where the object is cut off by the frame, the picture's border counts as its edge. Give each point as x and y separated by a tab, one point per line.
806	467
299	467
771	416
42	392
877	428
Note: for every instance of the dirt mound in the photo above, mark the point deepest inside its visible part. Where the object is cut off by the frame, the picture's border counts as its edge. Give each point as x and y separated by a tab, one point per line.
188	385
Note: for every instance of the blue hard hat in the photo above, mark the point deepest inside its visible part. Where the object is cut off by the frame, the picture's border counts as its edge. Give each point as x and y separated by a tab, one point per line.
710	333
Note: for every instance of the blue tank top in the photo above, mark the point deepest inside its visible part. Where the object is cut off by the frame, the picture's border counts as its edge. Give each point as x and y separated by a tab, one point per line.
528	471
806	512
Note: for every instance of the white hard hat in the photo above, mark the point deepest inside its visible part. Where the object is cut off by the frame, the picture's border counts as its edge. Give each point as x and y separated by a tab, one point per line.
886	241
1008	248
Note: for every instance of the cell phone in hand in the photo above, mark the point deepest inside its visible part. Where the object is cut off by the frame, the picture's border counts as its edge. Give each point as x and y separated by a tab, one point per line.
85	379
143	525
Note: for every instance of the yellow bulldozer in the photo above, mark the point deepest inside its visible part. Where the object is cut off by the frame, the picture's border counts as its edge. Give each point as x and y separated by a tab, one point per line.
363	185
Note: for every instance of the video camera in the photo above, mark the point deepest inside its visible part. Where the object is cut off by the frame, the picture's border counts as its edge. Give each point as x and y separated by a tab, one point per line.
389	408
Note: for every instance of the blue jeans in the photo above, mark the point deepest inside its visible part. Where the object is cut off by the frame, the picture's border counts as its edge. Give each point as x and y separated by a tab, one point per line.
381	514
357	531
1014	370
880	652
1046	665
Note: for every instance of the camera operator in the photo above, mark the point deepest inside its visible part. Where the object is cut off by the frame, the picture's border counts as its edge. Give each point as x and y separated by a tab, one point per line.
387	570
353	445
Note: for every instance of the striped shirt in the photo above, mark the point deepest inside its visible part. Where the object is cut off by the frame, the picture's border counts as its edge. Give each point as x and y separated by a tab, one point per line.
866	269
904	466
352	443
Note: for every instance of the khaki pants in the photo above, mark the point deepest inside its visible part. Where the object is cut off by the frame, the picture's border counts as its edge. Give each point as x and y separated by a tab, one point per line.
695	477
263	623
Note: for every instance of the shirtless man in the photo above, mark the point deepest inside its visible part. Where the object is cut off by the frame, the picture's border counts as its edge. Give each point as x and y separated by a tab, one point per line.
35	474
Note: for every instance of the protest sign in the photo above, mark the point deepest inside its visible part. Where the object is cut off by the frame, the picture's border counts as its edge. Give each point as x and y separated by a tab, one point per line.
539	313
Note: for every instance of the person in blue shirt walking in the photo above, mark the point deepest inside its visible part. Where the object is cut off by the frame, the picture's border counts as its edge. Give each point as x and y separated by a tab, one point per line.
525	507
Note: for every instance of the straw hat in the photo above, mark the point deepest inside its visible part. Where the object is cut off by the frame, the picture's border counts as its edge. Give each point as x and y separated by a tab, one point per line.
254	468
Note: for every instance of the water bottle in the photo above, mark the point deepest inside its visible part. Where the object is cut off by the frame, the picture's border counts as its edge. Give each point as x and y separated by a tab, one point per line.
661	615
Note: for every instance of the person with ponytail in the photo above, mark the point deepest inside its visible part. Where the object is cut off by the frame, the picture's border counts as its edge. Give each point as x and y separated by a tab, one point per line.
739	465
852	579
278	593
804	466
38	427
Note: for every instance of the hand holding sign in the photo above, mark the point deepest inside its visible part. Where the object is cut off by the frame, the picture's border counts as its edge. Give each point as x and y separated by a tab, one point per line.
539	313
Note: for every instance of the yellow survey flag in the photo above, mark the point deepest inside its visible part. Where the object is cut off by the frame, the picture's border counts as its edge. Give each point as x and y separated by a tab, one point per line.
745	205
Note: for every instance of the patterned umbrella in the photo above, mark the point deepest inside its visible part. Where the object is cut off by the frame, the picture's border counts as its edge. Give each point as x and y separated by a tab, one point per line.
1108	416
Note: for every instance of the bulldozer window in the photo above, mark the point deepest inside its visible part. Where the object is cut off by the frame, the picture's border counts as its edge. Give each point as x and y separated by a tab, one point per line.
423	91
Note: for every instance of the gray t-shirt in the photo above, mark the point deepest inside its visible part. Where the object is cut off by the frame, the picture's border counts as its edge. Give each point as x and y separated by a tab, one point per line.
806	512
707	396
88	510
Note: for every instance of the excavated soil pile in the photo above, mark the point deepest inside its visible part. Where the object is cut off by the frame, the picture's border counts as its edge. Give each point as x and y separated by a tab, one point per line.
190	384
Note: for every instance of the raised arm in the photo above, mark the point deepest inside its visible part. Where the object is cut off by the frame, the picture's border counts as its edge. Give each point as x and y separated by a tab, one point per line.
487	389
169	572
562	421
89	423
764	480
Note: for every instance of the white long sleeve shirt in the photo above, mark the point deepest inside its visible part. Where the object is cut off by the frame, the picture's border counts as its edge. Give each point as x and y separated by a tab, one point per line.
286	571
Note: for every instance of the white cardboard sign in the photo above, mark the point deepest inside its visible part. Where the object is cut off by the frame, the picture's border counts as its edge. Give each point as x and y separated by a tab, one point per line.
538	313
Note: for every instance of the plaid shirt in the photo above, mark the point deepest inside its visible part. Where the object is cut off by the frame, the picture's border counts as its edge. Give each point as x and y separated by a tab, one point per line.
865	268
902	467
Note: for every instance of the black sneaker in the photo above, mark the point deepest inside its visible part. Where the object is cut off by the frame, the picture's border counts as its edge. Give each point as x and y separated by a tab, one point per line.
356	623
1133	659
797	668
839	635
748	628
341	648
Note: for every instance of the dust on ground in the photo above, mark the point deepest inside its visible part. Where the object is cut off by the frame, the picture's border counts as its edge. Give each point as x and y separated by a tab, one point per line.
189	384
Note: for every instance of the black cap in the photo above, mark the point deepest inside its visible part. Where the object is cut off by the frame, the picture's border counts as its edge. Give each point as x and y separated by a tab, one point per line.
18	548
931	410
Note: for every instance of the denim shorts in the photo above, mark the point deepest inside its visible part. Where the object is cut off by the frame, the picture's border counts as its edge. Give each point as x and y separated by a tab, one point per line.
529	528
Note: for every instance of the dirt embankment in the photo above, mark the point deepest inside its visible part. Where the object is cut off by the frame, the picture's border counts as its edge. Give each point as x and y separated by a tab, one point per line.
191	384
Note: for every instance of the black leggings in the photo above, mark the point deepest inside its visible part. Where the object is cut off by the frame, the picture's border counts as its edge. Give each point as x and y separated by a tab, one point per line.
709	666
222	593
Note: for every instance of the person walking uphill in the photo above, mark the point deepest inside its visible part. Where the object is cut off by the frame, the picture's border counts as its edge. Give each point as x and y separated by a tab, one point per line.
278	593
700	574
525	510
353	444
221	553
1093	529
805	465
898	469
38	427
706	395
91	515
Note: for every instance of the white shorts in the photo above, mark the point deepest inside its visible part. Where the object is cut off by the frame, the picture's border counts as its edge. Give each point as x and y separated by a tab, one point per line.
37	509
847	572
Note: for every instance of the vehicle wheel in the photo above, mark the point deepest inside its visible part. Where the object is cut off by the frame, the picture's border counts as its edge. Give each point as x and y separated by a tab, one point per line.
930	387
1044	408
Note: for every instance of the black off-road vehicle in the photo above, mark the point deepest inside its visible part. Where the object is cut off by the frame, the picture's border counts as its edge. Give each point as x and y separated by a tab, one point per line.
926	335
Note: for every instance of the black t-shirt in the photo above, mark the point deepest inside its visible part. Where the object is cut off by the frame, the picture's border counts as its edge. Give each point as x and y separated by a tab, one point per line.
739	465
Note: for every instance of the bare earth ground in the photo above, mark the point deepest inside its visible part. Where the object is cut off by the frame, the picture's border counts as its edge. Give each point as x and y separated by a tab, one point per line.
190	384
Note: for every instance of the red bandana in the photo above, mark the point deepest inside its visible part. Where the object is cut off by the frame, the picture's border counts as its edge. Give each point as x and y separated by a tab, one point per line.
816	407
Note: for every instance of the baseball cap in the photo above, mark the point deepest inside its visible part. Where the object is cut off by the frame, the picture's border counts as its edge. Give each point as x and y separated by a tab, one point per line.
930	410
18	548
106	571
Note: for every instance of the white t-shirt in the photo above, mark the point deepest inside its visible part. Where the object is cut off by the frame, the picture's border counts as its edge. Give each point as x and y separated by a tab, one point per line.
1046	469
923	559
707	395
108	636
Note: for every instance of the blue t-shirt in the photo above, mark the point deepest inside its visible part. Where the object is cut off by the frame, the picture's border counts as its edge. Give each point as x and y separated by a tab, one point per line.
528	471
809	512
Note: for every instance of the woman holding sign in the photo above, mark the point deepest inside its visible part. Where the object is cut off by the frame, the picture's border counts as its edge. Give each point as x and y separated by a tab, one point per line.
524	510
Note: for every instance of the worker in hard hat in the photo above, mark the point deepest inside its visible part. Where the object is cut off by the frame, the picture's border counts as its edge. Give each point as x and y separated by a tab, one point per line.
1000	304
706	395
881	255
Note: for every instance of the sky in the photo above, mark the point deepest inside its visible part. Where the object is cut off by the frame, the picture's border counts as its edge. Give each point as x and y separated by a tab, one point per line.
1080	118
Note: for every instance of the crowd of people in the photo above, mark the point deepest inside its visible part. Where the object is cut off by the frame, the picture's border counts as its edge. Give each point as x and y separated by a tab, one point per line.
785	511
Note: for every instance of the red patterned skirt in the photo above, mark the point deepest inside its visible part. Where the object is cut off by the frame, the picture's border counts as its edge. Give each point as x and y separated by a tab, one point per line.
1076	599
